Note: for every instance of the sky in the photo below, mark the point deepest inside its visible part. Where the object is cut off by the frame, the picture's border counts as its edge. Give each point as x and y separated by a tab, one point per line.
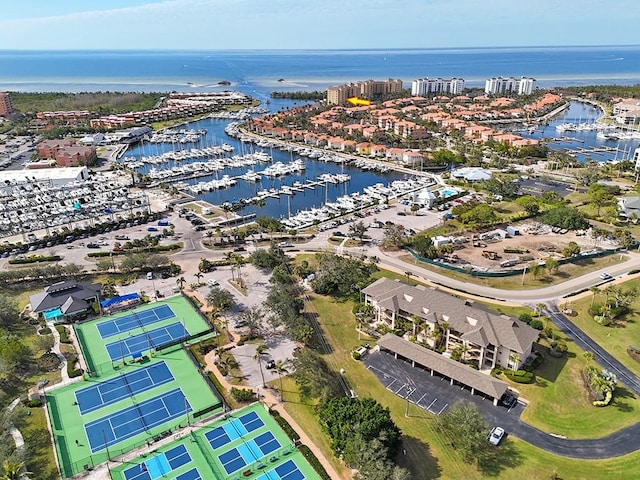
313	24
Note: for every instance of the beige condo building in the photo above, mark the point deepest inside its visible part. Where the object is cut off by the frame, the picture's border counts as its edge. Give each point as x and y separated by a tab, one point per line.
365	89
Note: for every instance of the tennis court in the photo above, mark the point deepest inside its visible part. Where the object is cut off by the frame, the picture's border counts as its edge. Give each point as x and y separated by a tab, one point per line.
136	419
249	452
112	391
287	471
162	464
146	341
134	320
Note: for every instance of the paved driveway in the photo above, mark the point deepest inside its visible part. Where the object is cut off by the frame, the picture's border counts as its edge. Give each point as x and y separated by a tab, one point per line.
417	382
280	348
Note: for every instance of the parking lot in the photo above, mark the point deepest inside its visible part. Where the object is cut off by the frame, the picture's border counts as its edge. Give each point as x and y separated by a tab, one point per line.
434	394
279	349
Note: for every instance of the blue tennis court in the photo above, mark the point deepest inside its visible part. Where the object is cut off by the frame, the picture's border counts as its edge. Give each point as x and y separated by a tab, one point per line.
287	471
136	419
134	320
161	464
247	452
146	341
105	393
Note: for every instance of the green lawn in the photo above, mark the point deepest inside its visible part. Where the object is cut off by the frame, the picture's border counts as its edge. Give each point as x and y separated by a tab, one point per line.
40	459
428	454
616	338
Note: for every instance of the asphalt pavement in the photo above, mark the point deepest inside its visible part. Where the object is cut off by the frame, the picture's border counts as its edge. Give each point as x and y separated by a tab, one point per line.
421	388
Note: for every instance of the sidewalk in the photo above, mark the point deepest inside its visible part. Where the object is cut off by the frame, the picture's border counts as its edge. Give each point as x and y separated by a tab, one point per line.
273	401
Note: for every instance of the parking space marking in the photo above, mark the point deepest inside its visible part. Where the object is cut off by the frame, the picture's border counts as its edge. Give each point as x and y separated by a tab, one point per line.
420	399
442	409
429	407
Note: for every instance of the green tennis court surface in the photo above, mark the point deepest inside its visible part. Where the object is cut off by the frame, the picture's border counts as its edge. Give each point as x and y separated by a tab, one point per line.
246	444
123	337
129	403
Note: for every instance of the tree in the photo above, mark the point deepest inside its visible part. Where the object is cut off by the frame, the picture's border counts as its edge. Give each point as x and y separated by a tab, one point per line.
467	431
253	318
602	195
345	417
357	230
571	249
423	246
8	311
260	351
552	264
313	376
594	290
281	370
395	236
535	269
220	299
180	282
199	276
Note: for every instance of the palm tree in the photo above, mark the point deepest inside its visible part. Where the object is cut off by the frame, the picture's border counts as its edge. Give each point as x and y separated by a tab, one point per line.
229	256
180	282
589	357
539	308
239	260
260	350
198	275
594	290
14	471
280	369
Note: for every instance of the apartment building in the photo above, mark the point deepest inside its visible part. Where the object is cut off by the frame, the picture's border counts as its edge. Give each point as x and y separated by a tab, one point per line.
426	86
6	107
366	89
509	86
485	336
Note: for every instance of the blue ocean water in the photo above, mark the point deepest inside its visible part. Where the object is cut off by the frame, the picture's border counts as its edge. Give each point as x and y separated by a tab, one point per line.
259	72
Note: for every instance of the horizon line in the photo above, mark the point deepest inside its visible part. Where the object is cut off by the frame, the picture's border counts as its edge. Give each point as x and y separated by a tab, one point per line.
344	49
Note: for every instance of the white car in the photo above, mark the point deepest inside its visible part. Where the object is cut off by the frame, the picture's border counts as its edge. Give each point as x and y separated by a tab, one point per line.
212	282
496	435
605	276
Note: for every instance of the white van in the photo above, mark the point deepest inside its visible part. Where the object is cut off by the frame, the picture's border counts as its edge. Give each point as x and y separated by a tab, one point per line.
149	275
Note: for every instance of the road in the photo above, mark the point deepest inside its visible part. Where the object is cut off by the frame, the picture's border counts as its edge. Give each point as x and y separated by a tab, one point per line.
436	396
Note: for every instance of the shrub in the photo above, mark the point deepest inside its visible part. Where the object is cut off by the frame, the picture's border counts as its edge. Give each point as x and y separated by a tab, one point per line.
242	394
537	324
44	331
520	376
288	429
64	334
355	355
72	371
315	463
36	259
525	317
34	403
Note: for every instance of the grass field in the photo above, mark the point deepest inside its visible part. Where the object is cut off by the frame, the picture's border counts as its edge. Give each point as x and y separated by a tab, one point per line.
428	454
616	338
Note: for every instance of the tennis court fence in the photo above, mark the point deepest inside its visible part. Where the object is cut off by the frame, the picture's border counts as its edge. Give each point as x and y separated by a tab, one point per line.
186	339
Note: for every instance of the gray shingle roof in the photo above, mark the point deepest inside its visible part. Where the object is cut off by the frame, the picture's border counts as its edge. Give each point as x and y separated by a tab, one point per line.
475	324
445	366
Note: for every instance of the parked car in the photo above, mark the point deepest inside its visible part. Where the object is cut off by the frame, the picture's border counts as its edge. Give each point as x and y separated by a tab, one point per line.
496	435
605	276
509	400
271	364
212	282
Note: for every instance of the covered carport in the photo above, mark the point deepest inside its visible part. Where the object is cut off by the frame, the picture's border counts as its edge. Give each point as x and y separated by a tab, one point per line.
445	367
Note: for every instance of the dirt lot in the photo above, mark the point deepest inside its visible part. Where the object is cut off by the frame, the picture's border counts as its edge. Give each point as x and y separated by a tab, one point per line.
535	242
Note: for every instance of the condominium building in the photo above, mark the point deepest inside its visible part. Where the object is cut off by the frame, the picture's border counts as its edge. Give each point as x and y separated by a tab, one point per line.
366	89
6	107
511	85
425	86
